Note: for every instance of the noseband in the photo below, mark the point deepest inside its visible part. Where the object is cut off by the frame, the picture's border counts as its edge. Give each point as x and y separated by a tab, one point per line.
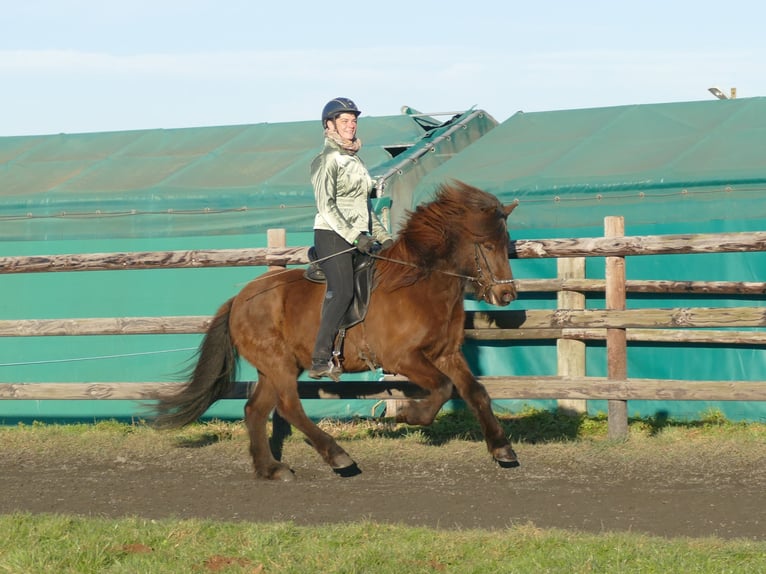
484	286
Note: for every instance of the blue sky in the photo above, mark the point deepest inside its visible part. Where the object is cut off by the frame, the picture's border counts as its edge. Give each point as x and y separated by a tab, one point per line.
102	65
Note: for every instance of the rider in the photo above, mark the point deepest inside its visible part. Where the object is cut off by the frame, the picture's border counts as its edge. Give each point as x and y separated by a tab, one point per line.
344	220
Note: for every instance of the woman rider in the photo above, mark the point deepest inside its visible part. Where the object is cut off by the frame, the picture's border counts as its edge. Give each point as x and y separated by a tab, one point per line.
344	220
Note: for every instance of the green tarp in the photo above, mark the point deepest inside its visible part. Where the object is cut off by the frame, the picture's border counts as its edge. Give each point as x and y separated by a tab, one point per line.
655	164
191	182
695	167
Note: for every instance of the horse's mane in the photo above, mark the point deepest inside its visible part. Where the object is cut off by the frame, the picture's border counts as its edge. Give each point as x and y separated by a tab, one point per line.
432	231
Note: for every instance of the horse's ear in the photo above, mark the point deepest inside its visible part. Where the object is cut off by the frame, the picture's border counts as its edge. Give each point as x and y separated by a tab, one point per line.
510	207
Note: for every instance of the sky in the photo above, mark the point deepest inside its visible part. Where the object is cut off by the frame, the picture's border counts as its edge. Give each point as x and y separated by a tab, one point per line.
72	66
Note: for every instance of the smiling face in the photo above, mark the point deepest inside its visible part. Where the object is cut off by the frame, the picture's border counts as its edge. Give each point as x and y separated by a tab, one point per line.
345	125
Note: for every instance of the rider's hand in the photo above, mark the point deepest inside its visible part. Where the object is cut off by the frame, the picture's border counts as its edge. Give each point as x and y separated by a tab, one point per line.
364	243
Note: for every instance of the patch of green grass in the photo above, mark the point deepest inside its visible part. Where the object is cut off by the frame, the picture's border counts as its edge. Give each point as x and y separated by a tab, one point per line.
67	545
534	426
531	426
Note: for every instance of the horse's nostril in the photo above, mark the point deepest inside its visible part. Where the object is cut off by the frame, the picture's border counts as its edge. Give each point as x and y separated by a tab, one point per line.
509	296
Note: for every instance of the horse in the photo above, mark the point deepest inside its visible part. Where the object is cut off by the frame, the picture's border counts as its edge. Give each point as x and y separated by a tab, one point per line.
414	327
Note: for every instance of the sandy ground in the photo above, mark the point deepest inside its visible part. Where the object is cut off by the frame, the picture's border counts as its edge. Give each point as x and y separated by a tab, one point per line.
707	490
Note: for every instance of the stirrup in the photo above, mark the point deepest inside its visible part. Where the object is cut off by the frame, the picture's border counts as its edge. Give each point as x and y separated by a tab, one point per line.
328	369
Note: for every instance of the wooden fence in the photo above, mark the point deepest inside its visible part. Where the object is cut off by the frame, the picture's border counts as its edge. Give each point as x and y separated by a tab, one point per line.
570	324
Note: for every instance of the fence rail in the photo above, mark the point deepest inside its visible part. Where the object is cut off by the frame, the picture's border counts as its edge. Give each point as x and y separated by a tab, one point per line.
521	387
681	317
283	256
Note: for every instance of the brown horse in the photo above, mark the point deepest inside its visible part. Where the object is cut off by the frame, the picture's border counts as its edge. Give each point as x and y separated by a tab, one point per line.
414	327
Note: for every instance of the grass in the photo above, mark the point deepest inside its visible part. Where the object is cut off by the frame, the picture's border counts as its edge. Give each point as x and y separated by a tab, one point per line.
543	426
60	544
529	427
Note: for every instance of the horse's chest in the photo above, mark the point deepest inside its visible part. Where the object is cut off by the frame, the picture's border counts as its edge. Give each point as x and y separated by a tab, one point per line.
448	334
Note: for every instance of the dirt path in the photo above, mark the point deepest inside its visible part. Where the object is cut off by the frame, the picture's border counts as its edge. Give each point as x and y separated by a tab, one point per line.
708	490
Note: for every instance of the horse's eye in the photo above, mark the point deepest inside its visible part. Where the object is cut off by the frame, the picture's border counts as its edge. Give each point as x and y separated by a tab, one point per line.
489	246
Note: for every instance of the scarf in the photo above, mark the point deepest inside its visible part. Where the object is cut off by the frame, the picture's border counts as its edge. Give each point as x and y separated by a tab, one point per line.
351	146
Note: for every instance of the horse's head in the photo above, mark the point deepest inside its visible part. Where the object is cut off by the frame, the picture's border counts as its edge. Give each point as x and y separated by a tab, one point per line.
493	280
462	233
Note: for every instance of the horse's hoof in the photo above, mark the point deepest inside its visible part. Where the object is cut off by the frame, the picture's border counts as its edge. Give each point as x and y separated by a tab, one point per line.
505	457
348	471
282	474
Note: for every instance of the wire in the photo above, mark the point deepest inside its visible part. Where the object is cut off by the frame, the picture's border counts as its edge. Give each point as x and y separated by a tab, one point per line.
99	214
77	359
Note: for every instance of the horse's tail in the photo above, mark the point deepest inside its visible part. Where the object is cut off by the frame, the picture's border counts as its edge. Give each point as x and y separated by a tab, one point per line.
211	379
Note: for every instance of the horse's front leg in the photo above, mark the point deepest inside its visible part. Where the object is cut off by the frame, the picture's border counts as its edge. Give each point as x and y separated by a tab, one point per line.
476	397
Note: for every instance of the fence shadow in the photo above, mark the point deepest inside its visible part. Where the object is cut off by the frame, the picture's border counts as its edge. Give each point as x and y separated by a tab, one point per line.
532	427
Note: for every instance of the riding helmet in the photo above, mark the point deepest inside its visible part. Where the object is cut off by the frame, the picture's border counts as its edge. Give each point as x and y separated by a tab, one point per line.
338	106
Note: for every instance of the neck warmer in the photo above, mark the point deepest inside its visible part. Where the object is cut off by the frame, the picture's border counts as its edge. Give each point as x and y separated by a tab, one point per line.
351	146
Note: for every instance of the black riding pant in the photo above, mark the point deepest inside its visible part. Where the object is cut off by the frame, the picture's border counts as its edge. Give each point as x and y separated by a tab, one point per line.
338	267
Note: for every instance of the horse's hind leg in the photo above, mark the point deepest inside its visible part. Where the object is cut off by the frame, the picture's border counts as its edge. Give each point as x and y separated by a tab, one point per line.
257	411
291	410
422	372
280	430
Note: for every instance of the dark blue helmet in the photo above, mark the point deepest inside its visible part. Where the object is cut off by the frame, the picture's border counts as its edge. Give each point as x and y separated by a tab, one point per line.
335	107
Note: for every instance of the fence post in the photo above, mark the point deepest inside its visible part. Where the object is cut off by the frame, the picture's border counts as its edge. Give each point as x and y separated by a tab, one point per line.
616	340
571	352
276	239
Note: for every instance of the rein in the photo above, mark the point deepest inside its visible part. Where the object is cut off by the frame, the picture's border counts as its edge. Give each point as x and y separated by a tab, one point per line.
409	264
474	279
479	279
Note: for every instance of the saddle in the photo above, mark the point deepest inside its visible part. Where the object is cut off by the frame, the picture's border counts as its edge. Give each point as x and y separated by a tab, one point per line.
364	266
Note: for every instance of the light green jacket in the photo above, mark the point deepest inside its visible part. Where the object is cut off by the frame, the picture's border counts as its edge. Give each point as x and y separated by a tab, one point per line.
342	187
